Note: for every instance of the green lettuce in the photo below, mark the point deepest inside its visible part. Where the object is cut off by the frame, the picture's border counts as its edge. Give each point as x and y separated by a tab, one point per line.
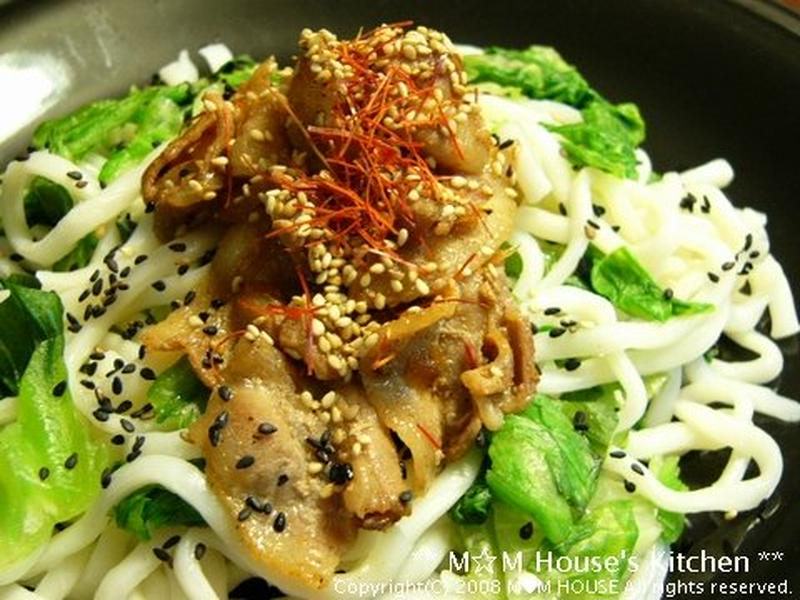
628	286
543	467
608	134
46	203
474	506
606	138
38	489
122	130
153	507
29	316
178	396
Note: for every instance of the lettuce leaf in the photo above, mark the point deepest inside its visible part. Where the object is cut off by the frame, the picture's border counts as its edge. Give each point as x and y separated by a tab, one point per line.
46	203
543	467
608	135
153	507
536	71
606	138
178	396
474	506
123	130
38	489
628	286
608	531
29	316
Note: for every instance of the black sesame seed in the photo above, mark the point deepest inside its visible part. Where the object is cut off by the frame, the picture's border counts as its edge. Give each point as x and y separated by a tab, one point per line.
137	445
727	266
76	175
116	385
266	508
16	257
562	209
280	522
713	277
177	247
89	368
748	242
225	393
183	269
592	224
84	295
171	542
341	473
140	259
111	263
199	551
283	478
706	207
406	496
127	425
44	473
100	415
617	454
598	210
71	462
552	310
142	412
81	184
133	455
216	303
210	330
556	332
571	364
88	384
526	531
129	368
267	429
95	275
688	202
149	207
162	555
118	439
245	462
214	435
637	468
579	421
630	487
253	503
668	294
60	388
755	254
105	478
97	287
147	374
245	513
142	351
123	407
125	272
189	297
158	286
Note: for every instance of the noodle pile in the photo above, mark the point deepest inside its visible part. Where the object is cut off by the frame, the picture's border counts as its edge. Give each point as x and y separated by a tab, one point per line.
705	252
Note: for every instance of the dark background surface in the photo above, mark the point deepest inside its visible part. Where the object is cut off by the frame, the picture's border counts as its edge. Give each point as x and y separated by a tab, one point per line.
712	78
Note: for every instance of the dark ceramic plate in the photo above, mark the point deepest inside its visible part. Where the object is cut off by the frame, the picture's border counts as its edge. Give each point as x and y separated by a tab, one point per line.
713	78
